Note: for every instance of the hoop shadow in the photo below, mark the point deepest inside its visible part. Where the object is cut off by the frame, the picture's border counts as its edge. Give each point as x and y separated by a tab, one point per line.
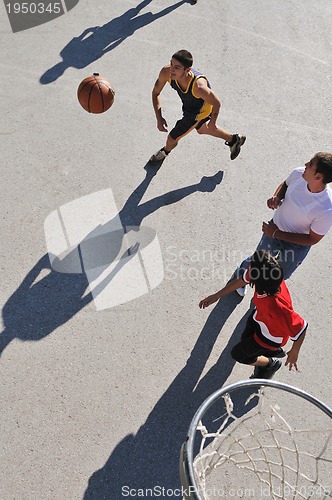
96	41
46	299
150	458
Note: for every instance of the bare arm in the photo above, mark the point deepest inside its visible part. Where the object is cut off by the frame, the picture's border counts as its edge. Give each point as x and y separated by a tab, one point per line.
293	354
156	102
275	201
204	92
271	229
230	287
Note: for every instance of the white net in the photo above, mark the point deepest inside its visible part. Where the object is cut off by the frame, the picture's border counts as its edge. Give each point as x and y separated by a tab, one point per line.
268	444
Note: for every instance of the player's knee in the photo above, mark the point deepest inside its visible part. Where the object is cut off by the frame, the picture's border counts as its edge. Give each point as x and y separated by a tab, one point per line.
200	130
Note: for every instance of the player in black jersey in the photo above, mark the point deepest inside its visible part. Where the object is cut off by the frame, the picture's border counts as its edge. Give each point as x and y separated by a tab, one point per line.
200	106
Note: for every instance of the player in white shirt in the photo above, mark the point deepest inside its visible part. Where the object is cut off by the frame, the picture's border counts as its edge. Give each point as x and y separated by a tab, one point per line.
303	204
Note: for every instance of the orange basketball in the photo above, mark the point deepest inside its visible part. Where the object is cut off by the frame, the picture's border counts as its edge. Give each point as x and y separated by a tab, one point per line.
95	94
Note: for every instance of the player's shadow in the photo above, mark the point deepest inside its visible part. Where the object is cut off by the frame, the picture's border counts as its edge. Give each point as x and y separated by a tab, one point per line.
106	245
96	41
46	299
151	457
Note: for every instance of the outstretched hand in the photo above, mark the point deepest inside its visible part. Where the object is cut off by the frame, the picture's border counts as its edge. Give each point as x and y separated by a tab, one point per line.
211	299
292	360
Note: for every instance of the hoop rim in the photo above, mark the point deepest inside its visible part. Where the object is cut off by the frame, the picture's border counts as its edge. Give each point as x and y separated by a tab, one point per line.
188	446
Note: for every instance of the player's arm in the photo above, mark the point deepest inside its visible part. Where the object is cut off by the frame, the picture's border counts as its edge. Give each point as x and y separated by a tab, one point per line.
160	83
271	229
230	287
275	201
293	354
204	92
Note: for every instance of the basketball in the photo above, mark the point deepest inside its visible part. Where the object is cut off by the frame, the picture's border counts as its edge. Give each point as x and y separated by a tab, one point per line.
95	94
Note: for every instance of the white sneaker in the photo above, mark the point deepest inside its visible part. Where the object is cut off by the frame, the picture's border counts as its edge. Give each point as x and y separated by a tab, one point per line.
158	157
242	290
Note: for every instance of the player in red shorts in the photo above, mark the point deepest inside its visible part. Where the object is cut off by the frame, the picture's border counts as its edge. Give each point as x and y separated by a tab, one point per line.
273	321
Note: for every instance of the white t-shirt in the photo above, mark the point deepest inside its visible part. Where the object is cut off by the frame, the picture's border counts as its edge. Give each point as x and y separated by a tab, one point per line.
302	210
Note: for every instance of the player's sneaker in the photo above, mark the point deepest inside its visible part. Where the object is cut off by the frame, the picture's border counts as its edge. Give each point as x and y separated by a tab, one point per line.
235	148
242	290
257	371
158	157
267	371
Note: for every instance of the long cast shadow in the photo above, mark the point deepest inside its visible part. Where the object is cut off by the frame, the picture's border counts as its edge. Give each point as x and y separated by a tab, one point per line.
101	246
150	458
47	299
44	301
96	41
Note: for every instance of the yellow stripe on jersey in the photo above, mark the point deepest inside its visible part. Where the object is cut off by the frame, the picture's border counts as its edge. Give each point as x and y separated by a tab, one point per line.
206	109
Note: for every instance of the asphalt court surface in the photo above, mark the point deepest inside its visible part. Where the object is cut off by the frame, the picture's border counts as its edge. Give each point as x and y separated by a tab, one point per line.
101	372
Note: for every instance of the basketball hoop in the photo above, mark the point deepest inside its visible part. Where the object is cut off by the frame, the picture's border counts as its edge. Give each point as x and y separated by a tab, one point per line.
258	439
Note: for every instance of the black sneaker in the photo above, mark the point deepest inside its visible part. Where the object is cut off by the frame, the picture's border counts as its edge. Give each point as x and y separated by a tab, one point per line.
236	146
258	371
269	371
